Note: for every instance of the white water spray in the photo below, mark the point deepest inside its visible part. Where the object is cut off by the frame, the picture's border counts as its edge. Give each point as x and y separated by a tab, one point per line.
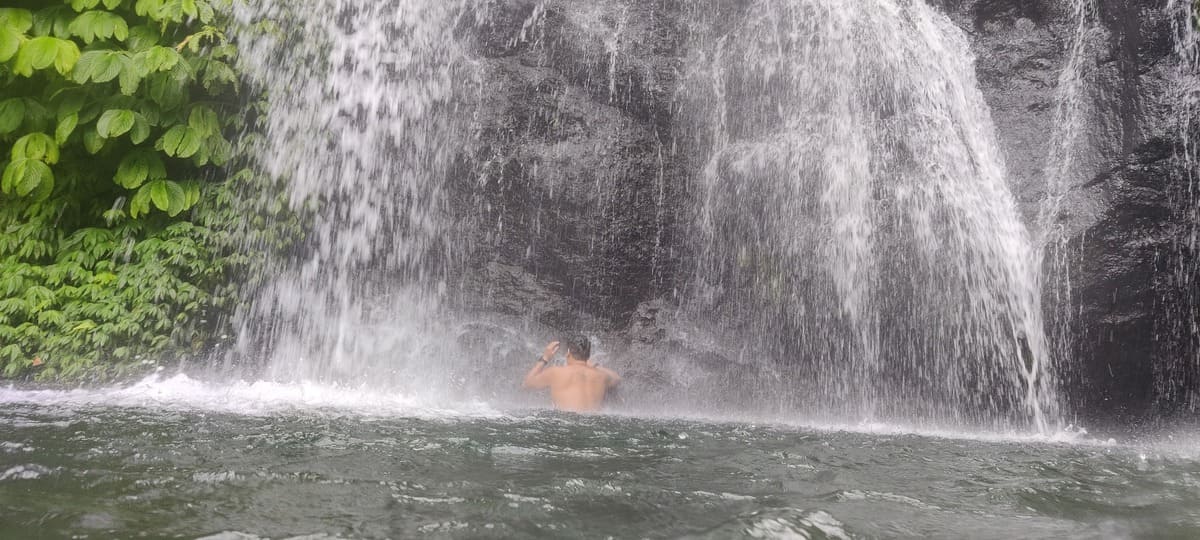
362	125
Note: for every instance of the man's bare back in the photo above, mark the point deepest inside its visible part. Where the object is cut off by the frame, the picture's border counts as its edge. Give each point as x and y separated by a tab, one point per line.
577	386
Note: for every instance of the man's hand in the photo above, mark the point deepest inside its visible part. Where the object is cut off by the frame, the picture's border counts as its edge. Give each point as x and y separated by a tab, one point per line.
550	351
538	376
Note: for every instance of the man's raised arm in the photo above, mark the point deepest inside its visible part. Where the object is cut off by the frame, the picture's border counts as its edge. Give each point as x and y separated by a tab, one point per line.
538	377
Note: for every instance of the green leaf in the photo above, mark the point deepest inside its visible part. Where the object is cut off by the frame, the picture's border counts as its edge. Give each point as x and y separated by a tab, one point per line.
131	76
203	121
167	90
65	127
68	55
159	194
112	4
20	20
192	192
140	131
169	142
22	176
53	21
168	196
115	122
220	150
37	116
12	112
37	146
150	111
142	37
180	141
139	166
218	74
139	205
10	42
80	5
148	8
190	144
92	25
90	113
188	7
8	181
158	58
68	102
50	317
177	199
98	66
37	53
92	141
113	216
206	12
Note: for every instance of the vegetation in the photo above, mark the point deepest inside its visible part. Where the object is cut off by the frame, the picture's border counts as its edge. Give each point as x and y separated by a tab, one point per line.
118	235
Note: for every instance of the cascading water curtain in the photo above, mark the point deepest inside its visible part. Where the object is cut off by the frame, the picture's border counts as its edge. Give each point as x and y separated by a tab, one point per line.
854	217
363	123
1068	142
1178	379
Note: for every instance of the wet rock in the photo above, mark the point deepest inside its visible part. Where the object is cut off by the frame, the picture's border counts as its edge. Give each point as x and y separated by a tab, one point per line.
575	185
1120	211
1120	276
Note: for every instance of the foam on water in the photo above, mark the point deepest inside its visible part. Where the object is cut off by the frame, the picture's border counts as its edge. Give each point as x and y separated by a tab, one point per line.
180	392
1069	435
28	471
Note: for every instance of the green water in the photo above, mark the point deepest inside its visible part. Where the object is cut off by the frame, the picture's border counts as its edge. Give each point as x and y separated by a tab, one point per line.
105	468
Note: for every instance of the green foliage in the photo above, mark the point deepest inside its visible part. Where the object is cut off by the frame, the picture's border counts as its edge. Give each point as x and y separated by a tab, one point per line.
120	229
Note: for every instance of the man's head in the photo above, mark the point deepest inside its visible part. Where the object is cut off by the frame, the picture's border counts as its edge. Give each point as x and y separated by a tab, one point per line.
578	348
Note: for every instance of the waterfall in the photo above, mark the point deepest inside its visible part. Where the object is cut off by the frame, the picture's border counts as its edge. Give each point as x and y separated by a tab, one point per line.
853	218
852	226
1063	170
363	120
1179	380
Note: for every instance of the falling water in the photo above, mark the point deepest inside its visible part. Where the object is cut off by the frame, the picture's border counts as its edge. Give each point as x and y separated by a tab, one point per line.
1182	375
854	216
1071	114
363	119
1062	171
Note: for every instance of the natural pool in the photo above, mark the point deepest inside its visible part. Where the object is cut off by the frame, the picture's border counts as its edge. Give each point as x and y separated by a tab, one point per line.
178	458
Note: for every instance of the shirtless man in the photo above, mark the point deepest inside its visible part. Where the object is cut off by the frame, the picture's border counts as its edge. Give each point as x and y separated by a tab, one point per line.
579	385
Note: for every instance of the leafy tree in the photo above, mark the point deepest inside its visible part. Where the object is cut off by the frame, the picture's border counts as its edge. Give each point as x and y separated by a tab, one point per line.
121	236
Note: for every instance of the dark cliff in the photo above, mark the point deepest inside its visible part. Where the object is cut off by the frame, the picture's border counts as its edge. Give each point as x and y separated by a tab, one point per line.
1117	289
575	169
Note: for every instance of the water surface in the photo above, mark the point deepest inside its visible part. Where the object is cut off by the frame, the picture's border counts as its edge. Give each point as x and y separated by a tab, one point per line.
277	461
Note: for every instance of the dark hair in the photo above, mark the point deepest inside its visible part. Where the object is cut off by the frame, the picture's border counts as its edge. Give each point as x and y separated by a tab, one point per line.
579	347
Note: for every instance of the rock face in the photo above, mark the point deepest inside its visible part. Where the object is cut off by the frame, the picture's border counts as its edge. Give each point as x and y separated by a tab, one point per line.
576	186
1113	284
580	186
